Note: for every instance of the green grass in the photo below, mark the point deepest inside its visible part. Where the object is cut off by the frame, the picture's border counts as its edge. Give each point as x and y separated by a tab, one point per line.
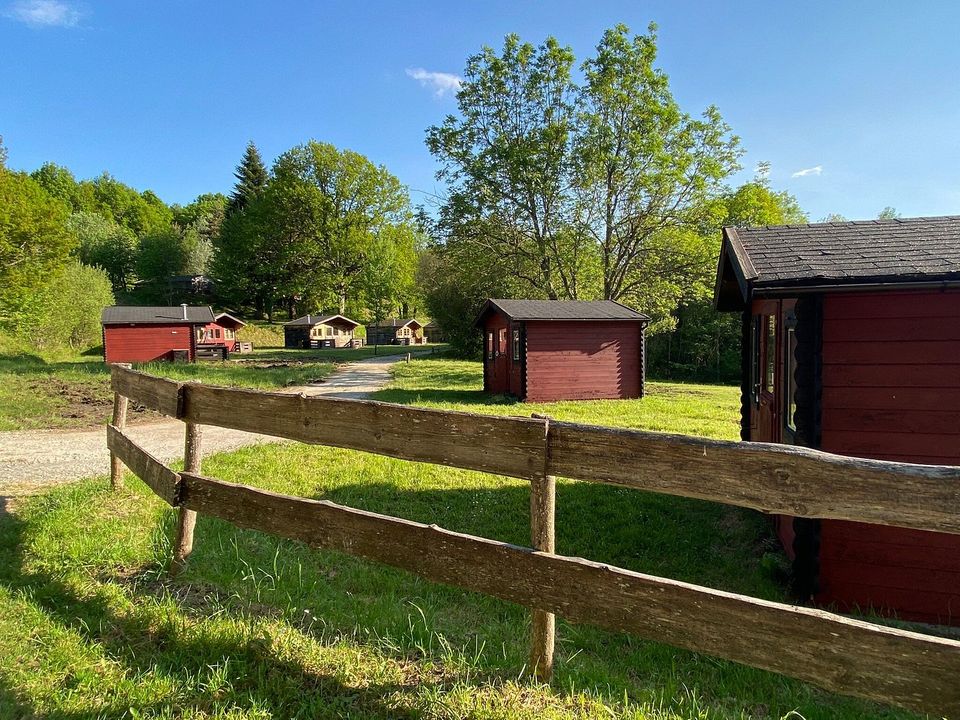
703	410
265	628
71	390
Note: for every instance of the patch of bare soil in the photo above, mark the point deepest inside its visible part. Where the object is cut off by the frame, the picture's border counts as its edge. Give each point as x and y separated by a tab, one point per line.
85	405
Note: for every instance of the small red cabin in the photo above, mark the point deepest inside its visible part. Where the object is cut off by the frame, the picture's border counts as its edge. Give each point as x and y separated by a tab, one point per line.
221	333
547	350
851	344
143	334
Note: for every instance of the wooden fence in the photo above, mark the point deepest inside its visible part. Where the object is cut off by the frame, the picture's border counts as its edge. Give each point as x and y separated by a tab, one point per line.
837	653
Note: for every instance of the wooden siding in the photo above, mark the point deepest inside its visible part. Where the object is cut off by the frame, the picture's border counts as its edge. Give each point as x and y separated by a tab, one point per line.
583	360
891	391
145	343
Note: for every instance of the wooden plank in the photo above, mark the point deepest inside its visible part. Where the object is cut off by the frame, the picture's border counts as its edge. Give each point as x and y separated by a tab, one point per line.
155	393
187	519
502	445
893	352
161	479
839	654
782	479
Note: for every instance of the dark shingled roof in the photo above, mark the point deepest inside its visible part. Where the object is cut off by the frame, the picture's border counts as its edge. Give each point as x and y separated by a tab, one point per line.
396	323
127	314
311	320
562	310
901	250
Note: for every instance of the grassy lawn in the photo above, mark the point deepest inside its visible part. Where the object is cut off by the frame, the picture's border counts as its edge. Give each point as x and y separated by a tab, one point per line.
69	390
263	628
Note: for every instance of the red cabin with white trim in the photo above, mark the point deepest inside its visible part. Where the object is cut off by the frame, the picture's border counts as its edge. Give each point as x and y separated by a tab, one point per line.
144	334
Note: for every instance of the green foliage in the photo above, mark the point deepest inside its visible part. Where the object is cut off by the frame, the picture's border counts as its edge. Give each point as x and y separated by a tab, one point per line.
106	245
170	252
252	178
647	174
142	213
604	189
888	213
34	240
66	311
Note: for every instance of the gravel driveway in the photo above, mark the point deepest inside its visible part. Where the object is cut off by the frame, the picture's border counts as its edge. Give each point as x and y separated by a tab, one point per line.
33	459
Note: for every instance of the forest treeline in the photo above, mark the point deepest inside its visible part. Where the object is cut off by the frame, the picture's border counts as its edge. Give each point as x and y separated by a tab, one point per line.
563	180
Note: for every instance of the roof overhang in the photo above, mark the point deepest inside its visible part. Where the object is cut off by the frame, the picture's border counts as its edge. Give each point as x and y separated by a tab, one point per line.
735	273
235	320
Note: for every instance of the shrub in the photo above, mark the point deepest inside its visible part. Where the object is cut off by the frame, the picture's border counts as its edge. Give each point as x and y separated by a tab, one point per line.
66	311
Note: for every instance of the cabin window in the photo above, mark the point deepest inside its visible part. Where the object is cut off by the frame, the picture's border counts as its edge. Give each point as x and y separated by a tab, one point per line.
489	346
516	345
216	333
502	344
755	359
790	382
770	374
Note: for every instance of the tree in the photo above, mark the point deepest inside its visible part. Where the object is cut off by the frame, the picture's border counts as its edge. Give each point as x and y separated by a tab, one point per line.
647	170
508	161
66	311
888	213
322	212
252	178
388	274
104	244
143	213
34	239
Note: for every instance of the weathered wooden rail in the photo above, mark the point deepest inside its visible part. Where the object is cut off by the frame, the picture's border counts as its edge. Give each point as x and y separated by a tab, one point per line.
844	655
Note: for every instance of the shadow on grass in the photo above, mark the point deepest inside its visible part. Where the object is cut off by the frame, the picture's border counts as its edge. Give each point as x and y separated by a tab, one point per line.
253	677
368	605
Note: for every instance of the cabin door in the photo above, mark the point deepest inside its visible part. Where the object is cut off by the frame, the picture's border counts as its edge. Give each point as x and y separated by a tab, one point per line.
766	367
499	371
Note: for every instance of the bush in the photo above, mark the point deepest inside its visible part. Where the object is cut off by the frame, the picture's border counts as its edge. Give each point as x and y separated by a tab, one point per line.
66	311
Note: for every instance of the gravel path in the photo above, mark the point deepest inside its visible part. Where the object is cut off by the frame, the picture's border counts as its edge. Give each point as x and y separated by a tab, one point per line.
34	459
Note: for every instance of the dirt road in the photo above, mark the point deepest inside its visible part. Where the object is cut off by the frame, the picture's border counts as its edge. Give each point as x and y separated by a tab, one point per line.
33	459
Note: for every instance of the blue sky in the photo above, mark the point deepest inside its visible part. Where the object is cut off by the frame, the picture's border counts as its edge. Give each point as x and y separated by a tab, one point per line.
863	96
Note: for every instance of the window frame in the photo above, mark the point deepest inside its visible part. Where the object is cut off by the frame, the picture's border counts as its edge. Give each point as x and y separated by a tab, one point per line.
516	345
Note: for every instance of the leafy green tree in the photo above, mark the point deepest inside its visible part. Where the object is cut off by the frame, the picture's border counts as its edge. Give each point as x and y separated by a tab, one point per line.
888	213
34	240
106	245
508	161
388	273
647	170
322	212
66	310
833	217
754	203
167	253
143	213
252	178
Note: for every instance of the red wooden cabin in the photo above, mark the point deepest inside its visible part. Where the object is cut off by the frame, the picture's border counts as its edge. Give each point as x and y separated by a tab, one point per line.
546	350
221	333
851	344
143	334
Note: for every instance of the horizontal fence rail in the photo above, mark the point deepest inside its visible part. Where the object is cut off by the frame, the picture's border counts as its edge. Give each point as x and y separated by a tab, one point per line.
850	656
837	653
770	478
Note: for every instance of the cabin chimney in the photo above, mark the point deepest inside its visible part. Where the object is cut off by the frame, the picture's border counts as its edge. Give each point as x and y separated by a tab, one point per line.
184	306
308	319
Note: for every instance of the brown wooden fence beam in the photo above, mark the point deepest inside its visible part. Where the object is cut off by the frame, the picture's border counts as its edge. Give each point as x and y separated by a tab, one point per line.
506	446
543	503
158	477
119	421
837	653
772	478
186	518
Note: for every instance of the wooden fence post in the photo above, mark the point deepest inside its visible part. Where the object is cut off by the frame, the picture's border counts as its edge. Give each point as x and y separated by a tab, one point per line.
119	421
187	519
543	499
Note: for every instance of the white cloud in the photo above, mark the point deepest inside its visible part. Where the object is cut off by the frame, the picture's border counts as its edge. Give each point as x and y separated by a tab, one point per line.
809	171
441	82
43	13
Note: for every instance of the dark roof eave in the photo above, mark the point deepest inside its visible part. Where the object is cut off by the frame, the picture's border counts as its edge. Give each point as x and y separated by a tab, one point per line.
805	285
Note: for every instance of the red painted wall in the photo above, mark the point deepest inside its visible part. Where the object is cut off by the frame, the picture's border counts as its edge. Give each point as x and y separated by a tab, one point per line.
583	360
891	390
144	343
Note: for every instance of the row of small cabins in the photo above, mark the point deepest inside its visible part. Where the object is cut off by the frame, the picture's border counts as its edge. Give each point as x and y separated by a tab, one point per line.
146	334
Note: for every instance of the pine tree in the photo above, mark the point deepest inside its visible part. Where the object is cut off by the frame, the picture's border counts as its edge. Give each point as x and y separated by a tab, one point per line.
251	177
